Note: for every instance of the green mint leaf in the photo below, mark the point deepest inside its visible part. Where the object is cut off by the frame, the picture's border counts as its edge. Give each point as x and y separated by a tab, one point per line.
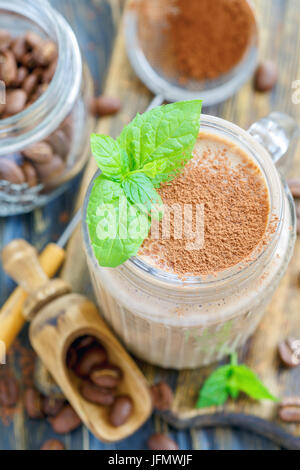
117	228
167	132
230	380
214	391
247	381
139	190
111	159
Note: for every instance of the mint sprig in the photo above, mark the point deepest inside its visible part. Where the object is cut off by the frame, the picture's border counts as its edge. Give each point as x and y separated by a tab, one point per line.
228	381
152	149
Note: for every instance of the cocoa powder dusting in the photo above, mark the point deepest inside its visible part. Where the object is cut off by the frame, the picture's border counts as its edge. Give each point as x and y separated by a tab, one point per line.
236	211
209	37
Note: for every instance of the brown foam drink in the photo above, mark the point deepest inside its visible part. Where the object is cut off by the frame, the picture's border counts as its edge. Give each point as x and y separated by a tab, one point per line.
233	197
187	301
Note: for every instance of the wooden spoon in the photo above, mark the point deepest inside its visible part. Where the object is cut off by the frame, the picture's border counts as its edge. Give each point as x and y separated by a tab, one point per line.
58	318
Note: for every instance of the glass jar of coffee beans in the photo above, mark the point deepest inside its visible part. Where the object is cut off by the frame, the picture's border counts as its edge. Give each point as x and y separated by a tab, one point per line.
45	91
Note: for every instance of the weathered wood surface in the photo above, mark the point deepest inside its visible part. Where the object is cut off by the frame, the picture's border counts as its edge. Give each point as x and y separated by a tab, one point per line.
246	107
92	21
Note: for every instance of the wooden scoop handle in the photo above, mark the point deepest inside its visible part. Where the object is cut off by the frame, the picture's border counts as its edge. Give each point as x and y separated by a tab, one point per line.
20	261
11	316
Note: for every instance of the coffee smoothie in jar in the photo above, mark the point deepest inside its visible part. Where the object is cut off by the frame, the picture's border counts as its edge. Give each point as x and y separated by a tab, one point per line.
201	279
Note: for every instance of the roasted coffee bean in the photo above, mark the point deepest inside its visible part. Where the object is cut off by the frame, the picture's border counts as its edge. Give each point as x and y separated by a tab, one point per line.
33	40
66	421
53	444
30	83
19	48
71	358
161	442
52	406
30	174
33	403
289	352
294	185
48	74
266	76
121	410
59	142
9	391
15	101
97	395
47	172
10	171
105	106
108	377
45	53
5	40
162	396
84	342
289	410
2	108
8	67
22	73
28	60
90	359
40	152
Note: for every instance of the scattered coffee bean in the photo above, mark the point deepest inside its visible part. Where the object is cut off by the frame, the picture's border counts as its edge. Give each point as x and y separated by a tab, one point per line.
294	185
289	410
30	174
108	377
65	421
9	171
97	395
15	101
289	352
91	359
9	392
105	106
33	403
47	172
41	152
52	406
53	444
162	396
266	76
121	410
161	442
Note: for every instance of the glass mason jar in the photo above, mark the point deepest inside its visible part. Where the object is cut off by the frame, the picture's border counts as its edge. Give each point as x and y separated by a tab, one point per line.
185	325
59	116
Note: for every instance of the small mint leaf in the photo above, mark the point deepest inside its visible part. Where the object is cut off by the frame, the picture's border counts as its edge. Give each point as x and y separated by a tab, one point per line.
139	190
214	391
110	158
168	131
247	381
117	228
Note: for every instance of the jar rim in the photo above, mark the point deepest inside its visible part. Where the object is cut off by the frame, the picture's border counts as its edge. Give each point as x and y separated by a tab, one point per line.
241	272
40	119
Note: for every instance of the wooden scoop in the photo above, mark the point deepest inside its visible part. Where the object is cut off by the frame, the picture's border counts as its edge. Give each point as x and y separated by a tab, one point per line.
58	317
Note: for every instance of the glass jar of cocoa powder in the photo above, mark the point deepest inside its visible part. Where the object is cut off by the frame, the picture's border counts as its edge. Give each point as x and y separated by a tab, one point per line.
45	94
188	322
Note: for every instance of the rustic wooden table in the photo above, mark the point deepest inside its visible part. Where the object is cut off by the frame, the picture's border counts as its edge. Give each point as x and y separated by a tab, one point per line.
94	24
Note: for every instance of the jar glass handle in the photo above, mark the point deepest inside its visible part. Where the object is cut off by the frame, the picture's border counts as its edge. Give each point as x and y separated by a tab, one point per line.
277	133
